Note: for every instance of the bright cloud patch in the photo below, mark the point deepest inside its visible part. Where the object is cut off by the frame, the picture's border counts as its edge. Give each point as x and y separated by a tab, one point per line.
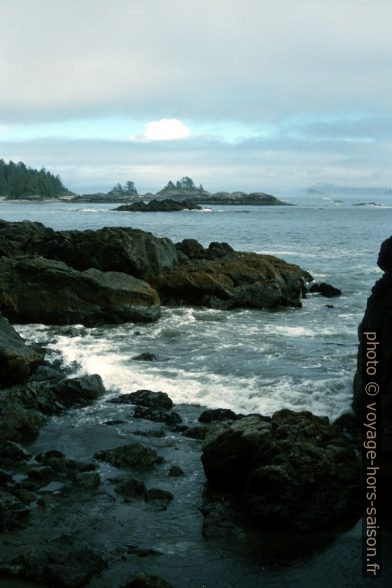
166	129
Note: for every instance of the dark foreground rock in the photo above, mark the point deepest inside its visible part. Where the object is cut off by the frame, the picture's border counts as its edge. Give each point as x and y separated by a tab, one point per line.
35	289
296	469
377	345
65	563
17	359
128	456
325	290
185	273
166	205
25	408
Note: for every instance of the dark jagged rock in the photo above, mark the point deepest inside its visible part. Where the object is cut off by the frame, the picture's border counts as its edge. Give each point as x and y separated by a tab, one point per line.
17	422
17	360
184	274
325	290
223	279
166	205
65	563
191	248
216	250
296	469
13	512
80	390
377	321
196	432
24	409
155	400
175	471
131	455
168	417
160	498
13	452
35	289
218	414
130	488
145	357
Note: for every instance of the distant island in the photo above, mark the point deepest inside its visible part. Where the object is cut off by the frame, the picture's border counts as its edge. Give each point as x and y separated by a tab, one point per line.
19	182
180	191
166	205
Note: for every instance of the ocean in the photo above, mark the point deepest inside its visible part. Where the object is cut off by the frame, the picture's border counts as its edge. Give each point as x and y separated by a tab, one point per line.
246	360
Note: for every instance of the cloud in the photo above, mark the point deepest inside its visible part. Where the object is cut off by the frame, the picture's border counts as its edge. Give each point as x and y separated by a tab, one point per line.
269	94
247	61
166	129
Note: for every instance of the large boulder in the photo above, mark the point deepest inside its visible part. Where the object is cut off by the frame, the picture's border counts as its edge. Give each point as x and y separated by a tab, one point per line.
293	469
35	289
17	360
127	250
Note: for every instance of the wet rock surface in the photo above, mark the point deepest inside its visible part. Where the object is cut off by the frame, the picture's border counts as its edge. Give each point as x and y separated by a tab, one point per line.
325	290
296	469
17	359
35	289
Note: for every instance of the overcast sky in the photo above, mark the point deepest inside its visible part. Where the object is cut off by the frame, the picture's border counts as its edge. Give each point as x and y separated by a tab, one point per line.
268	95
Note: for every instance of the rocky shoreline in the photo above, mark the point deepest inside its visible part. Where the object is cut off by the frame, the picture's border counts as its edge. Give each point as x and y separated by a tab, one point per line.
118	274
98	494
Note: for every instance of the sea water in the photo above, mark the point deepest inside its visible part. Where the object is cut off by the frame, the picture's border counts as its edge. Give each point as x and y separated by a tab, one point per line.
246	360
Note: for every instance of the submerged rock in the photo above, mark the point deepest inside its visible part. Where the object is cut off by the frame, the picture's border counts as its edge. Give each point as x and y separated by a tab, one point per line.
325	290
296	469
13	512
35	289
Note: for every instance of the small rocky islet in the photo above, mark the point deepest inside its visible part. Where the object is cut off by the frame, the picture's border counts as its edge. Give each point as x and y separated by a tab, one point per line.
166	205
145	466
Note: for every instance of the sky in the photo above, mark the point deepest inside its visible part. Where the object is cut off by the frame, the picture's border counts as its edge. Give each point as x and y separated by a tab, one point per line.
252	95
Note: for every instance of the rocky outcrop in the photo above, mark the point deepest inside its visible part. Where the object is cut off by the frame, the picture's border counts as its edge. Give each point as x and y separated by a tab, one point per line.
166	205
17	359
25	408
186	273
293	469
35	290
325	290
219	277
117	249
377	320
